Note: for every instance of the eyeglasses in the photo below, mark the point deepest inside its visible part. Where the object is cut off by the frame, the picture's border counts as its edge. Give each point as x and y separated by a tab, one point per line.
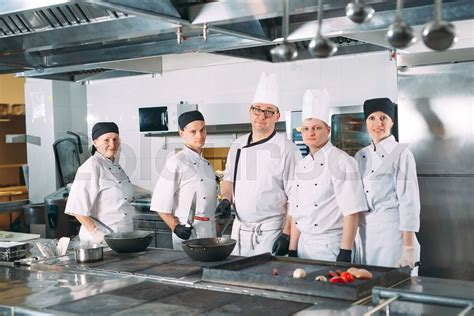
266	113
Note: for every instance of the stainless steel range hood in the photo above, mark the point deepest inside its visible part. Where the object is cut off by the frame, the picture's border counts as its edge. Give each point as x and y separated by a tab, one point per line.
77	39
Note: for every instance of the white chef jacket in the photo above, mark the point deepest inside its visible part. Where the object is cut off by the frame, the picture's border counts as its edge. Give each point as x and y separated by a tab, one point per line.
185	173
265	170
327	187
103	190
388	171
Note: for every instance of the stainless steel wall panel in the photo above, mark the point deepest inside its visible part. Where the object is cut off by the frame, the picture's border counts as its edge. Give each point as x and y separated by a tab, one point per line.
447	235
436	111
436	115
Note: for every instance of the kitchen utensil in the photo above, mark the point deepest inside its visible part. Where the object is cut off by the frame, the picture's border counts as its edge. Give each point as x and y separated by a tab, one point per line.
438	34
320	46
127	242
208	249
102	224
400	34
285	51
192	211
61	248
89	252
359	12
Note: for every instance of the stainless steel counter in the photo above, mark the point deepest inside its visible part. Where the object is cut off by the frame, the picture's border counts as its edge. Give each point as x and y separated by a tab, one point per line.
127	284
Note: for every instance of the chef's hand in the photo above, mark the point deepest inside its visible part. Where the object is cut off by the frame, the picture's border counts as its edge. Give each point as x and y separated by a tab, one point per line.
344	255
98	235
182	231
223	209
408	257
280	246
293	253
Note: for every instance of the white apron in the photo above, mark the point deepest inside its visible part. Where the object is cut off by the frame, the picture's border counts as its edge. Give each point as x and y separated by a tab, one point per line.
391	187
254	239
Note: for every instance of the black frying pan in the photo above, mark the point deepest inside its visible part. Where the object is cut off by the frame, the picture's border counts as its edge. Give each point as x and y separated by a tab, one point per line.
208	249
126	242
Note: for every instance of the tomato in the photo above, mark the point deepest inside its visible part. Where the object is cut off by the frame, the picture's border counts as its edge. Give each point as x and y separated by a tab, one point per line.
337	280
349	278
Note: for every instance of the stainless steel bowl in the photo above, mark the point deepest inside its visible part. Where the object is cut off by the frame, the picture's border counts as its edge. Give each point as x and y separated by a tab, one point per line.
89	253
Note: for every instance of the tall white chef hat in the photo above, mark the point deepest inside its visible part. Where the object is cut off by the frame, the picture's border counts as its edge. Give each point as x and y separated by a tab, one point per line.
316	105
267	90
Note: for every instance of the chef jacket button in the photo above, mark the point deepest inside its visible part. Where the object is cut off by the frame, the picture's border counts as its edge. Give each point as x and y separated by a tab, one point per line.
125	213
120	182
296	223
368	211
202	180
315	204
128	180
383	156
315	224
296	205
204	198
315	184
125	199
367	191
110	168
322	164
297	185
372	171
120	168
363	156
194	163
208	164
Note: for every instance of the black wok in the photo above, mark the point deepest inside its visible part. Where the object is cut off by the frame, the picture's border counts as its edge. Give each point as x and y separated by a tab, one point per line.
135	241
208	249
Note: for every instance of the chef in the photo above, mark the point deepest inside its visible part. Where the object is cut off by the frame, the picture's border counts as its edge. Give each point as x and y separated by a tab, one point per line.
387	229
185	175
259	170
101	188
328	194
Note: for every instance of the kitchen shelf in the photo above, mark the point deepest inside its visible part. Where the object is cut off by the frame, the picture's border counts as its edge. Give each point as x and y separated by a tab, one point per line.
222	129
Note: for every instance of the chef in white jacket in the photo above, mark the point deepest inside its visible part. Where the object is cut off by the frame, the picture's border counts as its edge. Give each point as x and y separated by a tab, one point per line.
387	229
328	194
101	188
186	174
259	170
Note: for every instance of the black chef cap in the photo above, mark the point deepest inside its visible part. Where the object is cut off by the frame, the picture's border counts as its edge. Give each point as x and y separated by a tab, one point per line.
102	128
188	117
381	104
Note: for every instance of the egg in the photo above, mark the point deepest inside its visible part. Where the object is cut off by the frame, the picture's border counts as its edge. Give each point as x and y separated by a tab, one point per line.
299	274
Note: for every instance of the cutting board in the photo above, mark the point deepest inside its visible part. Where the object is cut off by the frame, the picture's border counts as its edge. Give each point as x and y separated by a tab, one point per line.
12	236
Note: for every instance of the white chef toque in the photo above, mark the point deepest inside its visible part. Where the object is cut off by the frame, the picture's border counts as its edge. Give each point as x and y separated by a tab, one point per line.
316	105
267	90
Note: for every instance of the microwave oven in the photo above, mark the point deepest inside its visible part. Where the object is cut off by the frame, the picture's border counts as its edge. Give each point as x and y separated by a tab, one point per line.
162	118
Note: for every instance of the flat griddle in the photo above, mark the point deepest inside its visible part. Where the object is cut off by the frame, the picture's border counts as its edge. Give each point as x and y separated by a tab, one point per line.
256	272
